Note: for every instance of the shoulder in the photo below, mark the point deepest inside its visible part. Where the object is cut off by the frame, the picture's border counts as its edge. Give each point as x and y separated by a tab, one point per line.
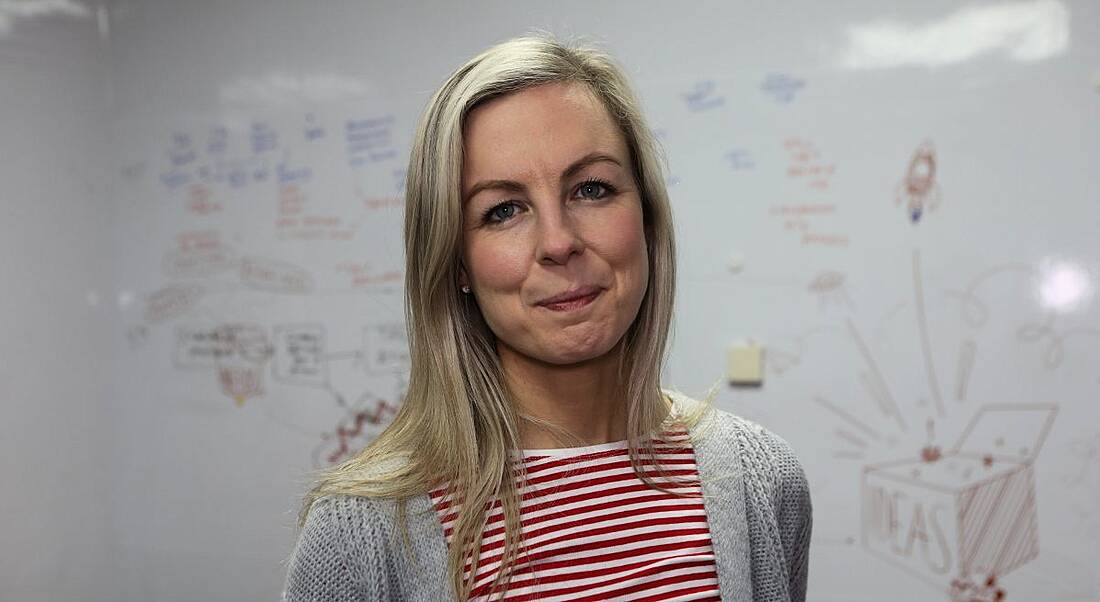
341	524
354	512
765	455
767	460
340	541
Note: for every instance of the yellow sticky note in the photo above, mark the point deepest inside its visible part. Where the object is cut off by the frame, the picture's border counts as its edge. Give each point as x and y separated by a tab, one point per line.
745	364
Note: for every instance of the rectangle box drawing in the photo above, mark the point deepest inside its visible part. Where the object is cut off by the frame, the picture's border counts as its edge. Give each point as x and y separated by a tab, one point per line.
300	355
386	348
969	514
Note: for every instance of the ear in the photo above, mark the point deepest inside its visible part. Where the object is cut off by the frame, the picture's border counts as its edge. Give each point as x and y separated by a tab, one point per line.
463	277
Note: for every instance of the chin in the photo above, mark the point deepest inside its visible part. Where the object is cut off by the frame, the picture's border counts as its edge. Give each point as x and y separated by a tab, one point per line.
570	359
579	354
562	347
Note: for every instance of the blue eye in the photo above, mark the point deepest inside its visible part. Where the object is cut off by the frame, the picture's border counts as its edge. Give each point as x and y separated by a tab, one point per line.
488	216
593	186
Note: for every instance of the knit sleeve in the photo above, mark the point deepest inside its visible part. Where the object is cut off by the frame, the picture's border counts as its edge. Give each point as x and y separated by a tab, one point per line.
338	556
794	515
777	500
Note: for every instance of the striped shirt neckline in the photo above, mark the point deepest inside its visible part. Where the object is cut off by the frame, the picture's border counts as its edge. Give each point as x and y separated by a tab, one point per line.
572	451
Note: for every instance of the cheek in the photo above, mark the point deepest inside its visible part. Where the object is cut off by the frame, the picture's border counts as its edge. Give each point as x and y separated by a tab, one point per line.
624	242
497	265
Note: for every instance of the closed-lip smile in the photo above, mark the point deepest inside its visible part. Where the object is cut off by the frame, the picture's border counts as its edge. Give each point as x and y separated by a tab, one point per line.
571	295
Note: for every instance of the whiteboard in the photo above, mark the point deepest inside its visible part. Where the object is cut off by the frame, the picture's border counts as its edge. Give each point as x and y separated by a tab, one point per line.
897	202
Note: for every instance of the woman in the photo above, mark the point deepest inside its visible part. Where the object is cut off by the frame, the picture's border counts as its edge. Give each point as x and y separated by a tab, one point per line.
535	453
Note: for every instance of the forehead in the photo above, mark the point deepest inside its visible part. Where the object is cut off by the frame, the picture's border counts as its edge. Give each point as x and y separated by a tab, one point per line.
544	127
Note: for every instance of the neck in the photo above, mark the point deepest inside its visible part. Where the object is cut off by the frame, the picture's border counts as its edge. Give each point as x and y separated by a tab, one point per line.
585	399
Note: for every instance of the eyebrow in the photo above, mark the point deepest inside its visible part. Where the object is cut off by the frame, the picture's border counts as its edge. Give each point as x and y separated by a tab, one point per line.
513	186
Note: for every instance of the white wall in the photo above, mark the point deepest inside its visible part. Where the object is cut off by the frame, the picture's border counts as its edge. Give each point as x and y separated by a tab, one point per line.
56	317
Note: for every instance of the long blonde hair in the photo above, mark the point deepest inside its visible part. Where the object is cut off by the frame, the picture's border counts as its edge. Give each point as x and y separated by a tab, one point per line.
458	425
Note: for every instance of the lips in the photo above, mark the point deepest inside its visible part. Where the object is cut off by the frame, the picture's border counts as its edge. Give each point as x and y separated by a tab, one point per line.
571	295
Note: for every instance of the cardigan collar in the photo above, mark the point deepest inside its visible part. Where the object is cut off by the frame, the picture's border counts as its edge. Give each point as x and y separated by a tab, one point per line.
720	470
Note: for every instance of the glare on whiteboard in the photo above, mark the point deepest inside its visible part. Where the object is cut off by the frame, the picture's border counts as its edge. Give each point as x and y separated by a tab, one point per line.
1023	31
1063	285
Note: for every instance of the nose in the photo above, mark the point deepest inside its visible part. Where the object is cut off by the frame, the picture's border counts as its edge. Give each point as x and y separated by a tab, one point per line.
559	236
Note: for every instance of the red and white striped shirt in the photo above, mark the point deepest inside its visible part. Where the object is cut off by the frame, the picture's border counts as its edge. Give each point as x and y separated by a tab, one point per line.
592	530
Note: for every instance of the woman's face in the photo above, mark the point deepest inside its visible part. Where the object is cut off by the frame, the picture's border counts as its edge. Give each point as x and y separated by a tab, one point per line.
550	206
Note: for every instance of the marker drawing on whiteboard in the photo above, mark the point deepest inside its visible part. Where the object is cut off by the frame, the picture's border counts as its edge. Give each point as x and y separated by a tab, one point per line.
848	417
375	203
337	397
975	312
830	289
198	347
295	223
269	412
1054	353
739	159
1057	345
965	515
926	343
351	434
781	360
369	140
260	170
967	350
974	309
804	218
386	348
198	253
918	189
133	171
354	354
806	164
172	301
181	152
291	202
1086	453
236	175
312	130
217	141
781	88
365	276
272	275
878	381
930	452
175	179
300	355
1082	485
199	200
288	175
875	392
703	96
240	367
262	138
968	590
888	315
854	440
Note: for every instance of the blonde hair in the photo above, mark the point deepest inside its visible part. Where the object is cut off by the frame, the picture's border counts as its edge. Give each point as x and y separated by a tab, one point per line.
457	425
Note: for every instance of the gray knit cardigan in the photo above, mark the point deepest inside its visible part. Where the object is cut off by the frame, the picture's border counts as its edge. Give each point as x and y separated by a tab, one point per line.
759	517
